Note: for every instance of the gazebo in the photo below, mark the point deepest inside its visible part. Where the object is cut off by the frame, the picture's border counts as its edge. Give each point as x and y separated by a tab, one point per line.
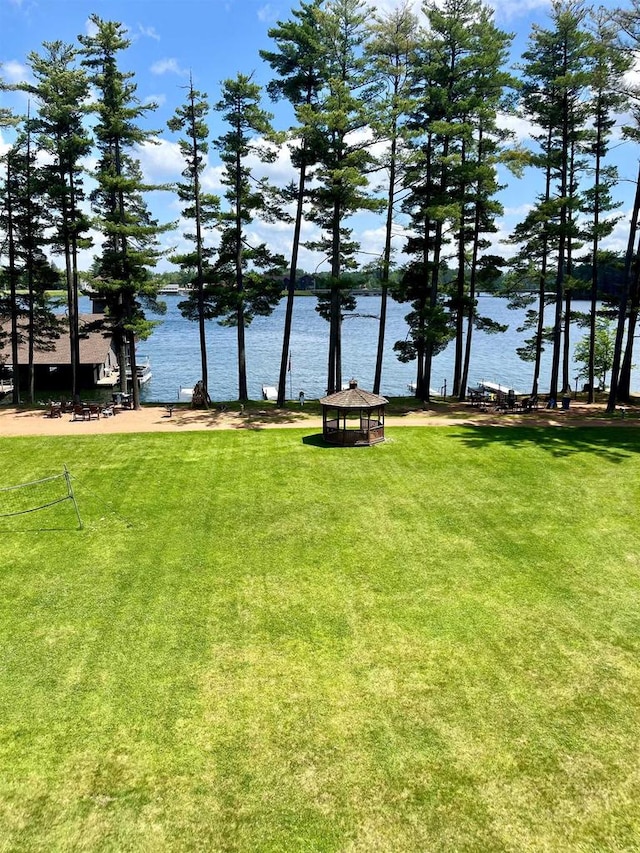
353	417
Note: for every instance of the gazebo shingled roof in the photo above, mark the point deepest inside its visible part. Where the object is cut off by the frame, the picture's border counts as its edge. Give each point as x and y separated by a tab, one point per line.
353	398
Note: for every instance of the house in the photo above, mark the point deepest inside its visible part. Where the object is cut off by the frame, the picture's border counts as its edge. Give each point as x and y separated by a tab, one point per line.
98	357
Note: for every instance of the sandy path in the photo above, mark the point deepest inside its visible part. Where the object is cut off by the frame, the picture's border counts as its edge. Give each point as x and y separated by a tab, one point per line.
16	422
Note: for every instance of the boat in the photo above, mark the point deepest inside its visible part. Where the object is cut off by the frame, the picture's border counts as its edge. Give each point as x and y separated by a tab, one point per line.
269	392
143	370
185	395
6	380
412	388
172	290
109	379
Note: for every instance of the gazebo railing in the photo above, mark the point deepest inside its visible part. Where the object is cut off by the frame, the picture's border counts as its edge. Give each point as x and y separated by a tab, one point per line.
364	431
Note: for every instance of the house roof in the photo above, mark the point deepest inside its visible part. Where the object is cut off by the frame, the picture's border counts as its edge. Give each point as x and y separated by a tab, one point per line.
353	398
95	343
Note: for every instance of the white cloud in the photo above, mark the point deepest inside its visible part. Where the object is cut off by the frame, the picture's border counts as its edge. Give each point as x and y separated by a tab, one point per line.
615	242
632	77
15	72
279	173
519	212
156	99
278	237
169	66
90	28
510	9
149	32
521	127
4	146
619	237
211	179
268	14
500	243
161	162
372	242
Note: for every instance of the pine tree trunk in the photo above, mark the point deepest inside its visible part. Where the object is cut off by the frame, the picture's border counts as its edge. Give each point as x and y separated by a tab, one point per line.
386	258
288	317
542	283
133	361
73	323
566	355
631	273
202	335
75	337
624	380
243	395
199	249
460	286
560	271
121	349
594	267
472	288
566	359
433	301
539	330
31	387
13	277
334	379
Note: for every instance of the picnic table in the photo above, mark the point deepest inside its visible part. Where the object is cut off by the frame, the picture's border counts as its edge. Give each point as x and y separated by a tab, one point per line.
86	411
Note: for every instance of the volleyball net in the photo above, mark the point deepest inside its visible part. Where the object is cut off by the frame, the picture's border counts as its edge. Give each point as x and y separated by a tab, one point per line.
38	495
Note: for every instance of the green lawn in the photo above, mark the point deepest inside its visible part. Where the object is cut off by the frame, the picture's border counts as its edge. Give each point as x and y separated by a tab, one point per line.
257	643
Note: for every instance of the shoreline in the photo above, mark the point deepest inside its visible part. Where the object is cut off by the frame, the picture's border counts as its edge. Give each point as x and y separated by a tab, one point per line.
16	422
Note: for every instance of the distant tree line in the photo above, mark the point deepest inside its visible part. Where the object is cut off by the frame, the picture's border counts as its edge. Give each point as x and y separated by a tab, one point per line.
403	117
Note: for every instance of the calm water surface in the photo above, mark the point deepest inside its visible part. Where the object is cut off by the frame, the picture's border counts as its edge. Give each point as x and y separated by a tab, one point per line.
174	352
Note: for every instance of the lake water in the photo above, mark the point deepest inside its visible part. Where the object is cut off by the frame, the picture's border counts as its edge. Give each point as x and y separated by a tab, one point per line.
173	350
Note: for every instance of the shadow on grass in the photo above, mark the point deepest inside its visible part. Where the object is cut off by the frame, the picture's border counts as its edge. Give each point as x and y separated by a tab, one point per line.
613	444
254	419
317	440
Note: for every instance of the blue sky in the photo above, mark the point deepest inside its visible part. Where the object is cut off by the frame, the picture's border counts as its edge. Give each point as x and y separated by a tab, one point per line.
216	39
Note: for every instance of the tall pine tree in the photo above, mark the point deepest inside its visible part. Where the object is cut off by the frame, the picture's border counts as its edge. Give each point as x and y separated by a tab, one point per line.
608	65
130	243
248	277
61	90
555	76
341	150
201	209
300	76
392	49
27	220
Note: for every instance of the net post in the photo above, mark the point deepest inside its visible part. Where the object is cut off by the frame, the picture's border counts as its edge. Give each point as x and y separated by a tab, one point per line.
72	497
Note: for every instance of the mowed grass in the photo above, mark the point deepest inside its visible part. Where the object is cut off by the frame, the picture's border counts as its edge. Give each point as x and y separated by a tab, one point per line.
261	644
